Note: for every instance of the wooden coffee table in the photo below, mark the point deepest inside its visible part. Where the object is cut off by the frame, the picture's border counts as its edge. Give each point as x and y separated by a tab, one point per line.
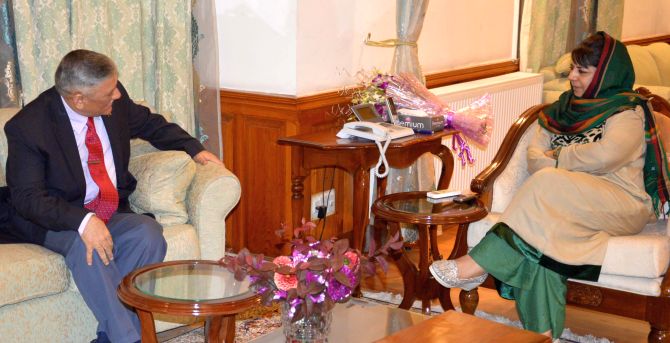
415	208
188	288
453	326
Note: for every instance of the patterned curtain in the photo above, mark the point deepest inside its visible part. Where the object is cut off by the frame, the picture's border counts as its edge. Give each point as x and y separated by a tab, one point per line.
150	41
206	75
549	29
10	89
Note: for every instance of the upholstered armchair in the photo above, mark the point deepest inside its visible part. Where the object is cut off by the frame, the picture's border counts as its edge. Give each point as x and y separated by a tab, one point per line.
632	282
39	301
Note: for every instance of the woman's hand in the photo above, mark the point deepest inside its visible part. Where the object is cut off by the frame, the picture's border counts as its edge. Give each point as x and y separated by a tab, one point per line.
551	154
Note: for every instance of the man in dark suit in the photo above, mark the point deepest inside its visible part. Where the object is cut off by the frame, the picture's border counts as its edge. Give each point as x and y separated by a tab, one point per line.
67	172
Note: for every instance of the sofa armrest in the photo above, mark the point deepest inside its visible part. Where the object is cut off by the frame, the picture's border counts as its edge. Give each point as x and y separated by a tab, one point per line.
213	193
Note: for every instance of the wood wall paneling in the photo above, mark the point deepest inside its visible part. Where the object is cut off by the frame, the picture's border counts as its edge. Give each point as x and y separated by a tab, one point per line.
251	125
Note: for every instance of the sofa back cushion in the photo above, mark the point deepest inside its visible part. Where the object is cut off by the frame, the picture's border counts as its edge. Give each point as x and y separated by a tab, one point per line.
661	54
646	71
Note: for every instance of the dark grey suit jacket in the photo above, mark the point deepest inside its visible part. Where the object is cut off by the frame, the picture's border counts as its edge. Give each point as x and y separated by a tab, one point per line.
44	172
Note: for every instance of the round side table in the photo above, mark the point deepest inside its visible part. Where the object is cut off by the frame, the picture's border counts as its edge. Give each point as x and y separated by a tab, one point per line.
415	208
188	288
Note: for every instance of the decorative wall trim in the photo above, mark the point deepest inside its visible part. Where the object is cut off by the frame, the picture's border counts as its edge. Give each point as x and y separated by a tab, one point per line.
649	40
472	73
293	103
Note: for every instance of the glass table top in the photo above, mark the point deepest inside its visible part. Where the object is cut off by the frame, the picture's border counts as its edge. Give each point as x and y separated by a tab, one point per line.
196	282
359	320
426	206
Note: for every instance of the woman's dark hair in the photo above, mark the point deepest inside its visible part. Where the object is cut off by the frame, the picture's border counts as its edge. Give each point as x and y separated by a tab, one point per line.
588	52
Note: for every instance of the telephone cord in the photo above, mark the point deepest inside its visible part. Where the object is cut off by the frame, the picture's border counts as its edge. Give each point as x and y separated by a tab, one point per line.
382	157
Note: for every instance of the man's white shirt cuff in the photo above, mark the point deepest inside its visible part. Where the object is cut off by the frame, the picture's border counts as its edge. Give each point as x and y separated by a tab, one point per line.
82	226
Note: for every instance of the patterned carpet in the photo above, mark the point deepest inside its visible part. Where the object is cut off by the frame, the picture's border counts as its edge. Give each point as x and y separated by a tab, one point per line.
249	325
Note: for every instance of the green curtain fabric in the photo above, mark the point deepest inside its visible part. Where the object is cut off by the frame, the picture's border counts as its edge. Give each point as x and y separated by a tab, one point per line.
610	17
544	31
150	41
551	28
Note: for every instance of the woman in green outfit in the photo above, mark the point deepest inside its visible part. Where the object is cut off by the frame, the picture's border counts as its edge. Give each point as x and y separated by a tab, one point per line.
593	175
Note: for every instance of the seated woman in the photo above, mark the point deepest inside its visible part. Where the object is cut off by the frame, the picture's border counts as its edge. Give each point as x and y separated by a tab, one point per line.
593	175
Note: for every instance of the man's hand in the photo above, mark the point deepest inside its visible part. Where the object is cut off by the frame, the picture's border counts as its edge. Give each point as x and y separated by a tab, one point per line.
205	156
96	237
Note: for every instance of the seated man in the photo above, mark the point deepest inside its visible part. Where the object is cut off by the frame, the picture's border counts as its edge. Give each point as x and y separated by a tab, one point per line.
67	172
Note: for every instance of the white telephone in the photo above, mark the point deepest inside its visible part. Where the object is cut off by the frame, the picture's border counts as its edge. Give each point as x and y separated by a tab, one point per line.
378	132
374	131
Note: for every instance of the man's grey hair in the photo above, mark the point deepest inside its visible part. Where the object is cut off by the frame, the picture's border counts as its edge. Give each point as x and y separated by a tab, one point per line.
82	69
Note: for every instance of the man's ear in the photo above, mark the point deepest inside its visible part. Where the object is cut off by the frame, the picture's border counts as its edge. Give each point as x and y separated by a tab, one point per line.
78	100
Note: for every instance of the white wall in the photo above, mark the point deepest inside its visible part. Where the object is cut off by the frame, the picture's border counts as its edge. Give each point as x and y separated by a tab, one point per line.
331	34
257	45
299	47
645	18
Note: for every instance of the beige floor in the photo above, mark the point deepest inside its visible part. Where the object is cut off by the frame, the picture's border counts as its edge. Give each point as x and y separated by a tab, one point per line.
580	321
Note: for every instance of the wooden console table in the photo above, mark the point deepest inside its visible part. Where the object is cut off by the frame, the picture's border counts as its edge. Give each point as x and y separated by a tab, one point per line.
357	156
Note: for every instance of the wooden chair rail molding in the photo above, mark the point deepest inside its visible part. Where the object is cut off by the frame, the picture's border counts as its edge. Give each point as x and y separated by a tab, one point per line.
649	40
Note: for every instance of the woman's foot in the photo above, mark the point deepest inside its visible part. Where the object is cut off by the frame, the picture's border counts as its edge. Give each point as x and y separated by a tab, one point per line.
446	273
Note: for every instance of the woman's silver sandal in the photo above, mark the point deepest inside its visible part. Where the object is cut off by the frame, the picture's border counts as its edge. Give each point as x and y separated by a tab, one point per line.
445	273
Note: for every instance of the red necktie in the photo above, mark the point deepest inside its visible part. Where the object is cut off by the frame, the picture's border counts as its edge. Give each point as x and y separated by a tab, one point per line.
107	201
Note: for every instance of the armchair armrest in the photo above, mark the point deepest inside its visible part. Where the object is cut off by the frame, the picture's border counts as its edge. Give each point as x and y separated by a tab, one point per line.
483	182
213	193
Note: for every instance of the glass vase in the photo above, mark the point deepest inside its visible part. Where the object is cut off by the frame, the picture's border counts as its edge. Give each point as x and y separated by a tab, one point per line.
313	328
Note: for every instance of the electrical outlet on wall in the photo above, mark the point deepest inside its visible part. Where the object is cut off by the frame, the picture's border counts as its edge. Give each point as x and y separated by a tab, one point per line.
318	199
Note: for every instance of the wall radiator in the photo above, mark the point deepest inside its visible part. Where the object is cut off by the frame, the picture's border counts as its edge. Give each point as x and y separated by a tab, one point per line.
511	94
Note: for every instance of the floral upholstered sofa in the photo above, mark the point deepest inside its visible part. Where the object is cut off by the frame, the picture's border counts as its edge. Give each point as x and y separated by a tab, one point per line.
39	301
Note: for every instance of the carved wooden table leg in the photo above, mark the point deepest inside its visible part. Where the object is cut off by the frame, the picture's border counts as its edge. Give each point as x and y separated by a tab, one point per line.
297	187
147	326
423	286
469	300
361	211
442	293
407	270
220	329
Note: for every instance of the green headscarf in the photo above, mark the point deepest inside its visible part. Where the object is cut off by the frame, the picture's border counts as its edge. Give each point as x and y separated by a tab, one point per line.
611	92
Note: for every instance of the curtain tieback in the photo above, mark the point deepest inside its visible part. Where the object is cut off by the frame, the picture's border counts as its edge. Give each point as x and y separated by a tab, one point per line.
388	43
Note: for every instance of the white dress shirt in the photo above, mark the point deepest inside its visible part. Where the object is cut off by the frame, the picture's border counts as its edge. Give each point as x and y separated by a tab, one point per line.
79	128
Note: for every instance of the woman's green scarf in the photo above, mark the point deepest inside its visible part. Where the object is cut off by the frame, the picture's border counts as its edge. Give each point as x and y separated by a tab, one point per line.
609	93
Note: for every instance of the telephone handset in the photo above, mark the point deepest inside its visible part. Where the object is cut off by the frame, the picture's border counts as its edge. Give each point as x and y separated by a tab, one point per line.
374	131
362	129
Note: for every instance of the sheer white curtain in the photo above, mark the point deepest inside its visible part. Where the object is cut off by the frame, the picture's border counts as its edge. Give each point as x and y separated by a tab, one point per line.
409	22
206	76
